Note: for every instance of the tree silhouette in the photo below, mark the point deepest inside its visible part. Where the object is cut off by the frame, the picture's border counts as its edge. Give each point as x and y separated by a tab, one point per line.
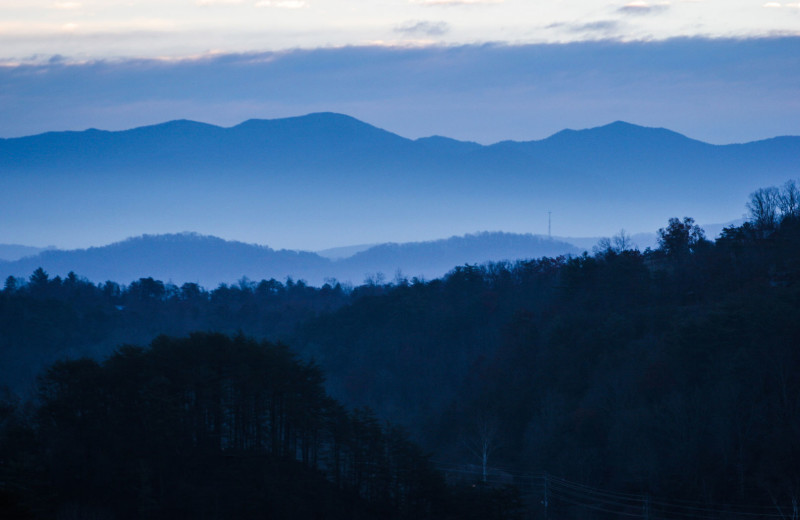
189	426
680	238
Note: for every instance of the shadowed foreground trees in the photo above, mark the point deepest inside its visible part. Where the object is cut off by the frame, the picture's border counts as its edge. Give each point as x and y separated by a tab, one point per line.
209	427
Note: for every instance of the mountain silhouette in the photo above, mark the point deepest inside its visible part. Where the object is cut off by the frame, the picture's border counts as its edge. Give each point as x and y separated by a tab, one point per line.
11	252
209	261
325	174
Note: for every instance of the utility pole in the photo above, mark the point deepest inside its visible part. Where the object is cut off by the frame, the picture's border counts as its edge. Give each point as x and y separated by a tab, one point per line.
545	501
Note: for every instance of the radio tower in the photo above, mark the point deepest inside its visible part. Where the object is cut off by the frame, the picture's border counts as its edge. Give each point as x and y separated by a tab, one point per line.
549	235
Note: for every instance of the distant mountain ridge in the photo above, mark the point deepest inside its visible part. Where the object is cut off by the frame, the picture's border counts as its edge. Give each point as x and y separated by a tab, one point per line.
11	252
209	261
255	143
324	173
326	134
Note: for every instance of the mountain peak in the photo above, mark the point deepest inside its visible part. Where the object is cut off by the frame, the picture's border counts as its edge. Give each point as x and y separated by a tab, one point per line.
314	118
620	131
176	125
623	127
620	125
321	127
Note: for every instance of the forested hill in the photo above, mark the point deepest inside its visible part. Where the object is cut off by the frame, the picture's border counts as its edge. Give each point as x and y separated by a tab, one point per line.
672	373
210	427
209	261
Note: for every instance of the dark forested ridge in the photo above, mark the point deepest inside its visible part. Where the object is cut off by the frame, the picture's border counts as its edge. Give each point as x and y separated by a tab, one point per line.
206	427
662	383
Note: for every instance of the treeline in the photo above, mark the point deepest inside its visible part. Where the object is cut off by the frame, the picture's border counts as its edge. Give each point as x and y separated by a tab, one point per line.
44	319
207	426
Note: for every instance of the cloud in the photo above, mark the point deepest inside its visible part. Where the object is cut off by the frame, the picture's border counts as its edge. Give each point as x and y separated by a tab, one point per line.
600	26
641	8
599	29
771	4
421	27
283	4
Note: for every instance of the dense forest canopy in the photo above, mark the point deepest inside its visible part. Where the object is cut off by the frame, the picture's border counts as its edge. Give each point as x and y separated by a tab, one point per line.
671	373
207	426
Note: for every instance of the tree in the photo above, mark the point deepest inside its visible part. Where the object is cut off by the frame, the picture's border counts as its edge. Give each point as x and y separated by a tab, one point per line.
39	278
622	241
764	209
616	244
789	199
680	238
147	289
11	284
483	440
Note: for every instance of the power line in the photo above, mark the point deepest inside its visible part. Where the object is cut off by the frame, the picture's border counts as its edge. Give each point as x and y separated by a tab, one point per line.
556	490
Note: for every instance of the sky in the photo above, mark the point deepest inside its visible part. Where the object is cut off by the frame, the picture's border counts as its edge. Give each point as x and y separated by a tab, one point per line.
722	71
32	30
485	70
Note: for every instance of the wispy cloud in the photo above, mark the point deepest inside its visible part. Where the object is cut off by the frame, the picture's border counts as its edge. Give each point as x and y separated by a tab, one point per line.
600	26
640	7
605	29
422	27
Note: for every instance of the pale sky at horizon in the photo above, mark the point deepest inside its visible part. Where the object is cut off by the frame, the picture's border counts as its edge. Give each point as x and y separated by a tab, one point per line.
33	31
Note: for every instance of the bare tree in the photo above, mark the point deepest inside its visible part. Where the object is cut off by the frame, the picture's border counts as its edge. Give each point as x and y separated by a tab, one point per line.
789	199
622	241
483	440
763	208
616	244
